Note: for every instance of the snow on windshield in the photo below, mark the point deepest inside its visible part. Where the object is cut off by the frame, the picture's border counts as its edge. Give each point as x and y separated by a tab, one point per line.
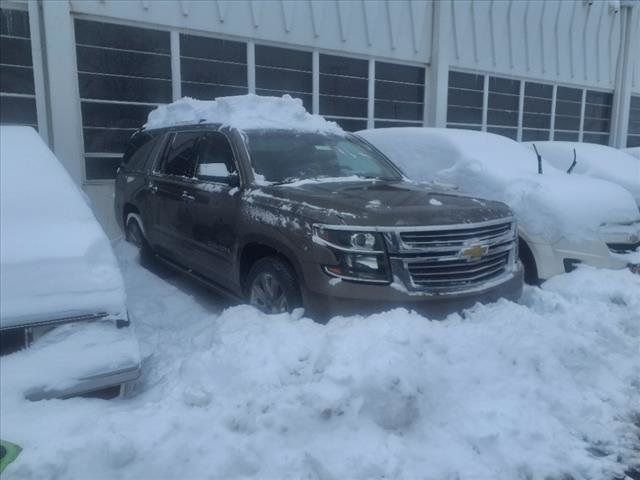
243	112
548	206
598	161
55	258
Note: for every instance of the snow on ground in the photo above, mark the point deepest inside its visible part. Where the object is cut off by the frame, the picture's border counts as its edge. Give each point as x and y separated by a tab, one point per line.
548	387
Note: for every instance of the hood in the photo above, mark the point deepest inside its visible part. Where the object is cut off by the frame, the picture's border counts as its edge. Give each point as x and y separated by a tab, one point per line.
380	203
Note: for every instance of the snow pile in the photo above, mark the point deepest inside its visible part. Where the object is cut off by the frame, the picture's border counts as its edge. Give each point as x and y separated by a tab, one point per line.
244	112
548	206
55	258
597	161
510	392
633	151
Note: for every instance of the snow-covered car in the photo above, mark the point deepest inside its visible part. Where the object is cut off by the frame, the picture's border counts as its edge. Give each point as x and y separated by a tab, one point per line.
563	219
592	160
633	151
64	327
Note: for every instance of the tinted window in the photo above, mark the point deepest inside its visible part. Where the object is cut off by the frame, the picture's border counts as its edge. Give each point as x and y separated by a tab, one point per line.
399	92
182	154
465	98
139	150
597	117
503	106
215	158
633	137
344	90
286	156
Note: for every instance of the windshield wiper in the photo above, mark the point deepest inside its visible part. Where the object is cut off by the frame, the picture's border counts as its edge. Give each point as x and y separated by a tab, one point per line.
539	159
574	163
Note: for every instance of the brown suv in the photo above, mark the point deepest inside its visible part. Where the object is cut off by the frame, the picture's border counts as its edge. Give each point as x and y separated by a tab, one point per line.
286	219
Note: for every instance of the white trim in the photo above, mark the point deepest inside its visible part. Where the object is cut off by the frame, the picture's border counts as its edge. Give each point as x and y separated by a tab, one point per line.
315	80
251	66
582	108
176	74
485	101
520	110
371	92
552	125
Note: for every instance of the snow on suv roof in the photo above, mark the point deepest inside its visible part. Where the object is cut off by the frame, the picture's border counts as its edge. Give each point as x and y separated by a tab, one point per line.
244	112
55	259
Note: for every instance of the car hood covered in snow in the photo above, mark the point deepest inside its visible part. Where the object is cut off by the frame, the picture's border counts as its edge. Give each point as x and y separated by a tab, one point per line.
56	260
597	161
548	206
380	203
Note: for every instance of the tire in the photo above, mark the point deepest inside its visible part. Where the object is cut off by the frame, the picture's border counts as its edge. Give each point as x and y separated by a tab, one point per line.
529	263
272	286
134	234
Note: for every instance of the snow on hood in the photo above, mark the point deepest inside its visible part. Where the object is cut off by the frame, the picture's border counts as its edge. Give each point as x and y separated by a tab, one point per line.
55	258
244	112
548	206
597	161
633	151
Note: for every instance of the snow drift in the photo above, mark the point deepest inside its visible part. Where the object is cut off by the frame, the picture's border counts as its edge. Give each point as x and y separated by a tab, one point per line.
507	392
243	112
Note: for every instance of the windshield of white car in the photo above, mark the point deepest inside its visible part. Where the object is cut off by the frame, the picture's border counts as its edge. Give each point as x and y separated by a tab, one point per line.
283	156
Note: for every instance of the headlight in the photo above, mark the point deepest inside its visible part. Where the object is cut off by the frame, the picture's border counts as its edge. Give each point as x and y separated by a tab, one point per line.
360	256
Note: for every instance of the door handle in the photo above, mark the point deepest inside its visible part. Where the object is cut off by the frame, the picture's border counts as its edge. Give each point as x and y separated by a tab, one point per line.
188	197
153	188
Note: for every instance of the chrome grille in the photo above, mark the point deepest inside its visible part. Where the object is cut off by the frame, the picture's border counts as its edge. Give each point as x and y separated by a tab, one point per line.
437	259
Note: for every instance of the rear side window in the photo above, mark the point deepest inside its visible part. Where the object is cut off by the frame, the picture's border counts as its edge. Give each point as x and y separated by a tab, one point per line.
139	151
215	158
182	155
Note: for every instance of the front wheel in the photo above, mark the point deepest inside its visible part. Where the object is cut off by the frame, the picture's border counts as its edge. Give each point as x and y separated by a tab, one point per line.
272	286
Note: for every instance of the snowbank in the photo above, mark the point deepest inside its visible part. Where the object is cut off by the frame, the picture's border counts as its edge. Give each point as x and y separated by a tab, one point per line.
244	112
510	392
597	161
55	259
633	151
548	206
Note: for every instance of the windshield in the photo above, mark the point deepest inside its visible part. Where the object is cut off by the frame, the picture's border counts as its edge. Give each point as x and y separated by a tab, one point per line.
284	156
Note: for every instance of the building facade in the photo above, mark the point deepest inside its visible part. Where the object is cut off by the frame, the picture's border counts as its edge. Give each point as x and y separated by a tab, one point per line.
86	73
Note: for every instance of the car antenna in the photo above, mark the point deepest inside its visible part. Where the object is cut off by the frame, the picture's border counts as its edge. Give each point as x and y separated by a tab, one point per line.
574	163
539	159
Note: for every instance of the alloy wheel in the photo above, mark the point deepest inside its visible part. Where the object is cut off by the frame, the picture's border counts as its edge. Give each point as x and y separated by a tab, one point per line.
268	295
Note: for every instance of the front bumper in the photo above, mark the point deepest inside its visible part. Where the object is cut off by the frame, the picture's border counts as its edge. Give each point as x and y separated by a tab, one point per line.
327	298
73	359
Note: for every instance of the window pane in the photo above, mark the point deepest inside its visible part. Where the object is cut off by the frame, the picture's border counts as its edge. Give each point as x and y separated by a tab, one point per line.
343	106
572	94
100	114
205	91
212	49
15	51
535	120
465	99
101	168
283	58
215	158
564	122
16	80
633	137
18	110
398	110
134	64
182	155
121	37
566	136
505	132
399	91
464	115
129	89
343	86
352	67
597	117
106	140
529	135
390	124
471	81
14	23
399	73
601	138
218	73
504	85
283	80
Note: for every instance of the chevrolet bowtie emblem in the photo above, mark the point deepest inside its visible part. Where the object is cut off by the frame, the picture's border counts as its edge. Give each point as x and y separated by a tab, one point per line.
474	252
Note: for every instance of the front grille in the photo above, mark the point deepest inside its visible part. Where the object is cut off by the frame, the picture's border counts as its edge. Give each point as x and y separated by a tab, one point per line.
454	259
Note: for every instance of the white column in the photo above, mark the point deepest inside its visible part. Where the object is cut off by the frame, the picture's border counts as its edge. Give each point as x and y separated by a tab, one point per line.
437	77
554	99
176	74
39	71
251	66
66	120
582	108
485	102
627	56
520	110
315	75
371	93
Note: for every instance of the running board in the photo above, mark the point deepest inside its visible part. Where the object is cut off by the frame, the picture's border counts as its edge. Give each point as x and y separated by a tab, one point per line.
204	281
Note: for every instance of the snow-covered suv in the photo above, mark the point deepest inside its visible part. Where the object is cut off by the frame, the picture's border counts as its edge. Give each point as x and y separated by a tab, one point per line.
260	199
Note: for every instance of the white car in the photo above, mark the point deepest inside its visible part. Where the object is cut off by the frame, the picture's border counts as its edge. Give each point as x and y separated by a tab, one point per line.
592	160
563	219
64	327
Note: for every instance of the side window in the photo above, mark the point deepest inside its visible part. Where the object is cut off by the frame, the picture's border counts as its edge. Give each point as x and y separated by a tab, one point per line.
181	155
139	152
215	158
